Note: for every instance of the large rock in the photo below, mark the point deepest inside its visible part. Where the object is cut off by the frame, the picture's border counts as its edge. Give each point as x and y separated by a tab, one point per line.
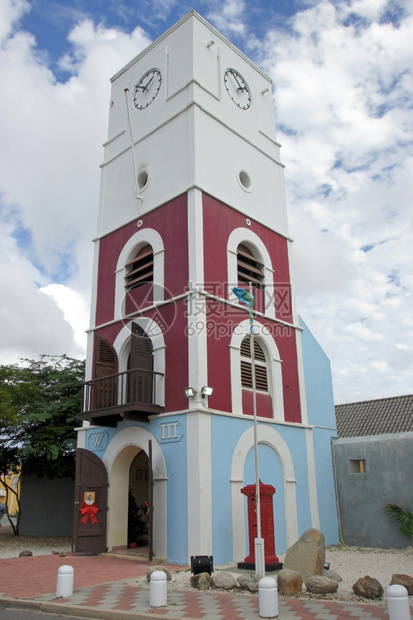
307	555
25	554
224	580
289	582
368	587
403	580
321	585
332	574
249	582
202	581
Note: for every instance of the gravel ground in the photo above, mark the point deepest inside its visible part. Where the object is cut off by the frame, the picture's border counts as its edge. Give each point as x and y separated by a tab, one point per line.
11	546
349	562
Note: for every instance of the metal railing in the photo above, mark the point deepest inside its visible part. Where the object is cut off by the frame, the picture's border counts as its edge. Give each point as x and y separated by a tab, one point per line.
131	387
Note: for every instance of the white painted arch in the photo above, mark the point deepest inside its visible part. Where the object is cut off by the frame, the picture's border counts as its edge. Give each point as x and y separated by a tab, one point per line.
122	348
118	457
245	235
132	246
272	438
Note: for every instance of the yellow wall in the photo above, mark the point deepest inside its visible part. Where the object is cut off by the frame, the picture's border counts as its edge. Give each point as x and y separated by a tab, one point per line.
14	481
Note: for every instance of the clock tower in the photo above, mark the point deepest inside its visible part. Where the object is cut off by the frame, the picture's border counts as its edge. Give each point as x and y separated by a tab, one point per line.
192	204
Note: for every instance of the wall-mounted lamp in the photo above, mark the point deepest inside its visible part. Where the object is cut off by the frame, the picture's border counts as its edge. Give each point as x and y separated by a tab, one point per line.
210	43
206	391
264	90
202	564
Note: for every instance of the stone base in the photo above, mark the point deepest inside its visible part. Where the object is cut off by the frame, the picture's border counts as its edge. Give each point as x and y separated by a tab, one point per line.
269	567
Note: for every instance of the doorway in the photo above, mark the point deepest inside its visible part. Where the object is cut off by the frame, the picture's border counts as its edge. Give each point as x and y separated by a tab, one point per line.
122	450
138	504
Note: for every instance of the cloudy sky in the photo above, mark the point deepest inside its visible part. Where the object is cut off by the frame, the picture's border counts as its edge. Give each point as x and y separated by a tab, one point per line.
343	90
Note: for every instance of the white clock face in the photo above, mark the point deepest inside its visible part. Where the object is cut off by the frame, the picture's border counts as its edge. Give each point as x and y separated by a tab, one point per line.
237	89
147	88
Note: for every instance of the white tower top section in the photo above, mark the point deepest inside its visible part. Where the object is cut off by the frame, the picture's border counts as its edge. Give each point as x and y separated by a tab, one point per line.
200	115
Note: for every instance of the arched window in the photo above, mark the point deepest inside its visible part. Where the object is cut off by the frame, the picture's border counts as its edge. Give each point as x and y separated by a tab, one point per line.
249	268
260	364
140	269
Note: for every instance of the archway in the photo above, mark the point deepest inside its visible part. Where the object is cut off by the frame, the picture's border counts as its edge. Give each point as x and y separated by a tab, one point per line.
118	458
138	502
272	438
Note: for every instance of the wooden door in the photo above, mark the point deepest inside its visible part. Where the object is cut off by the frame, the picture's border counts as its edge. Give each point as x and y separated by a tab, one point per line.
141	358
90	518
106	369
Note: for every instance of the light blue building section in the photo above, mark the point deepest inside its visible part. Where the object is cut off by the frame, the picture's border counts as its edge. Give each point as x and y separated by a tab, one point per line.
321	415
296	459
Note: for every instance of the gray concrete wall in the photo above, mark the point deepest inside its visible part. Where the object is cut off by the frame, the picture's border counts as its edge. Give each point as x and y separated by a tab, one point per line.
46	506
387	479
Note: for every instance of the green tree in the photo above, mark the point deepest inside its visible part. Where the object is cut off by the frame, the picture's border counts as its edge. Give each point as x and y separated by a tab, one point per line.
39	404
137	528
403	518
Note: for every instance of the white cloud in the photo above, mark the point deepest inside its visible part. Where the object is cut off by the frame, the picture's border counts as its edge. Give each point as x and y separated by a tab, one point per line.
228	17
343	89
75	310
51	135
10	12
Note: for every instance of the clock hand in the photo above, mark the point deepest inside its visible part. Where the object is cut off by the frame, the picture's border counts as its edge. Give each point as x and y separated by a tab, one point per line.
240	87
147	85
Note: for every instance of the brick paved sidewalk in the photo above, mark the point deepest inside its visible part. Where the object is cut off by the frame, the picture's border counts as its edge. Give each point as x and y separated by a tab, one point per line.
123	596
104	588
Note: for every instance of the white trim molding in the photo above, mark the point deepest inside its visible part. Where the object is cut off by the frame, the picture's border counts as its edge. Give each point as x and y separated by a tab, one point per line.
199	483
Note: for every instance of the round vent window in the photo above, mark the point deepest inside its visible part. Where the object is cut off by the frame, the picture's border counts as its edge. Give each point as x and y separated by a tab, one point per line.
143	179
244	180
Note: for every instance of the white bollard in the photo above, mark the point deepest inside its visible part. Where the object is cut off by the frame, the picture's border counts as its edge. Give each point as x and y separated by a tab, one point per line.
267	598
65	577
398	602
158	589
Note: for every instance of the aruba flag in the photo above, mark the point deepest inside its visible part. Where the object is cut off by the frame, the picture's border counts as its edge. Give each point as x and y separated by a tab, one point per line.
246	298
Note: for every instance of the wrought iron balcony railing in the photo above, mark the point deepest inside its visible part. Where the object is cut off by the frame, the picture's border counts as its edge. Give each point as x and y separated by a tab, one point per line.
131	394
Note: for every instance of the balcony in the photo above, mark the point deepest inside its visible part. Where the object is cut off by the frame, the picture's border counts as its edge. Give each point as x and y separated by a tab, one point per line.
129	395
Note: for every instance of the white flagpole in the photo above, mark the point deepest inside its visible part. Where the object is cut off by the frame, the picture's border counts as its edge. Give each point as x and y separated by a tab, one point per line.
132	142
259	542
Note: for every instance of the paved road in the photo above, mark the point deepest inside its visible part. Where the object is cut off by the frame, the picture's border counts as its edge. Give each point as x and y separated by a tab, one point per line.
18	614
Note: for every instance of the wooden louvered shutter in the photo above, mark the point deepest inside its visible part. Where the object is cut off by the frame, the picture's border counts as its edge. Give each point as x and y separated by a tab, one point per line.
261	382
140	269
140	359
106	370
249	268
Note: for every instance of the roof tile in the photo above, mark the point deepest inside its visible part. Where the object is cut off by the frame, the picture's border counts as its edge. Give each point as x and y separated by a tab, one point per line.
375	417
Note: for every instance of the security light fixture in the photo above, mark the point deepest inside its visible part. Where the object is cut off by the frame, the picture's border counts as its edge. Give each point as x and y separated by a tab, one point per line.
189	392
206	391
202	564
